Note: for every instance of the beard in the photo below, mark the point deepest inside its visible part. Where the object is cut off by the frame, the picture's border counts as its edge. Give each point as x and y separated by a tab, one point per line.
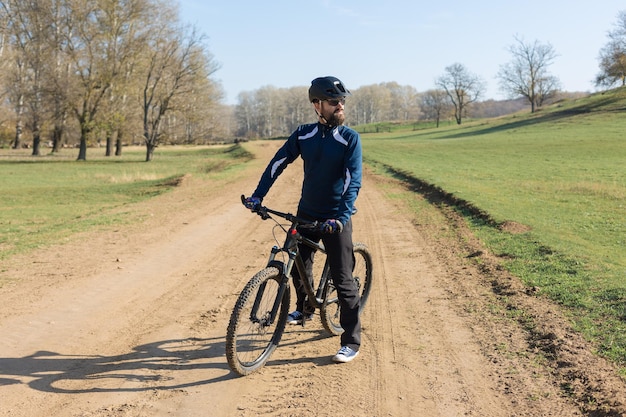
336	118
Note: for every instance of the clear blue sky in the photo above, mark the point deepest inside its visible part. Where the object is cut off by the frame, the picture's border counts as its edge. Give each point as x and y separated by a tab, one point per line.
287	43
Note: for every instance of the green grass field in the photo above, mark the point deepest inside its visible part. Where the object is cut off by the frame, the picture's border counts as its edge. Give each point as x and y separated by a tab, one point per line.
562	173
47	198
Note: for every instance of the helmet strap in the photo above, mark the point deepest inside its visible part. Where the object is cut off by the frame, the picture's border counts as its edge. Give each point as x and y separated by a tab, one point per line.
321	118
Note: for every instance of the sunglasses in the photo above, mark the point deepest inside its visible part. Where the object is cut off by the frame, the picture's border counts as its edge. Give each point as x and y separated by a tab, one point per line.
335	102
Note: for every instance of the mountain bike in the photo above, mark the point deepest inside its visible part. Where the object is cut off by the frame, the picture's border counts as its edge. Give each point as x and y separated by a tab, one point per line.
260	314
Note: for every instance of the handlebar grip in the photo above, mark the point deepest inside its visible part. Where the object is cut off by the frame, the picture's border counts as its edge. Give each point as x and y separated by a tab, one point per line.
258	209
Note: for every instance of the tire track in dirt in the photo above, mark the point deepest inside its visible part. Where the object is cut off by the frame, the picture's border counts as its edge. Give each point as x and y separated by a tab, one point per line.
409	292
378	313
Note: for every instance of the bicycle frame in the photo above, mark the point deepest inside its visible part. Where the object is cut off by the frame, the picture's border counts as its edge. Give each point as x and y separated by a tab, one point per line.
294	259
290	247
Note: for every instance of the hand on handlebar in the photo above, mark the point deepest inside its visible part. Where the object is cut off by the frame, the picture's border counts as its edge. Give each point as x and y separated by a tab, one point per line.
252	203
331	226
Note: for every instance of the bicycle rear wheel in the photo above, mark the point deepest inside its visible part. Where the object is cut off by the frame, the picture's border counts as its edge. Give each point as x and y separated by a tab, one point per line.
362	274
252	333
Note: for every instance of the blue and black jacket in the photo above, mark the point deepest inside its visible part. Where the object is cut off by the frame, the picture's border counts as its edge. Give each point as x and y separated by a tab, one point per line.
332	169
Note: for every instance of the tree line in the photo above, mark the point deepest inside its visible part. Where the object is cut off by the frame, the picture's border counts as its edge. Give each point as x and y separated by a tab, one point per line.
270	112
113	72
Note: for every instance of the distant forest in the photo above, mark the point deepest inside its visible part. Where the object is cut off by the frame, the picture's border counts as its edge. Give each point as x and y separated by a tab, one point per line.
272	112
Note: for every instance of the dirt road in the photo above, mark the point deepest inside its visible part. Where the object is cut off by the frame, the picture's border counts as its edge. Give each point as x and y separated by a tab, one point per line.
131	322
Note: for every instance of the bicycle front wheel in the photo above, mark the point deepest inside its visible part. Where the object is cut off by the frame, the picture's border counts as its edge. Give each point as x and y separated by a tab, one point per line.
362	275
257	321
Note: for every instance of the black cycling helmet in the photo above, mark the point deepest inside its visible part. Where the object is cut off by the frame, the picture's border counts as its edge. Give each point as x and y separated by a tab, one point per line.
325	88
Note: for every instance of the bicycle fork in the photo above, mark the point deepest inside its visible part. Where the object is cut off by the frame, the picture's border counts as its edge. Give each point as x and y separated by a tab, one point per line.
268	318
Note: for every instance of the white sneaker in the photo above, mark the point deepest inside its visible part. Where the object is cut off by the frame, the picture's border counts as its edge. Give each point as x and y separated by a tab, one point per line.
345	354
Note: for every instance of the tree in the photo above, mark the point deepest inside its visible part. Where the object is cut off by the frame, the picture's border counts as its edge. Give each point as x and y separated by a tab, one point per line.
102	40
36	90
298	109
462	88
125	31
526	75
245	114
272	112
175	62
269	106
405	102
435	104
613	56
368	104
202	118
59	72
18	37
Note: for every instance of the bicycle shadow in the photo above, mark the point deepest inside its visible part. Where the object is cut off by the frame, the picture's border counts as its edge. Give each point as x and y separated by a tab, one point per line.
139	370
148	367
298	335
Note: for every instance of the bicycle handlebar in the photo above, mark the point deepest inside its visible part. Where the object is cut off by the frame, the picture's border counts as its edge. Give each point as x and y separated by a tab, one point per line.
265	212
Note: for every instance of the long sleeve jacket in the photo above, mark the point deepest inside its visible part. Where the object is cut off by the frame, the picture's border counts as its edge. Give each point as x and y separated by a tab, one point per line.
332	169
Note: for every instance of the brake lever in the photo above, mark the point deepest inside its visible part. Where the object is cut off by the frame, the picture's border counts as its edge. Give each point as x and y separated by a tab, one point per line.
262	211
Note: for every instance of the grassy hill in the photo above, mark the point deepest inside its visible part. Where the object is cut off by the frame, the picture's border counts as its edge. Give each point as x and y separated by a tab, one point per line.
560	174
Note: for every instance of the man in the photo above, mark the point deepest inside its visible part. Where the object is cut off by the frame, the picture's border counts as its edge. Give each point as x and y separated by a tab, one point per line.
332	178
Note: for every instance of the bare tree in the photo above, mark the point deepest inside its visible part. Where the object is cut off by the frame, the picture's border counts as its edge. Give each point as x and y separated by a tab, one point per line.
245	114
34	32
269	107
404	102
34	28
201	117
176	60
59	69
368	104
436	104
298	109
126	30
462	88
613	56
272	112
17	71
101	41
526	75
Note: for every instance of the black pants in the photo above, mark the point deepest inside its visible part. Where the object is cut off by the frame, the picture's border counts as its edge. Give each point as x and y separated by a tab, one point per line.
339	252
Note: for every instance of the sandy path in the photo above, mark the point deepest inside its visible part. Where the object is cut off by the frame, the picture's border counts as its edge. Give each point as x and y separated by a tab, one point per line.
132	322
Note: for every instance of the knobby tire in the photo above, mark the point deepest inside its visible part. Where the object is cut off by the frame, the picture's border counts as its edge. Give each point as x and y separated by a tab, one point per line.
250	342
362	273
